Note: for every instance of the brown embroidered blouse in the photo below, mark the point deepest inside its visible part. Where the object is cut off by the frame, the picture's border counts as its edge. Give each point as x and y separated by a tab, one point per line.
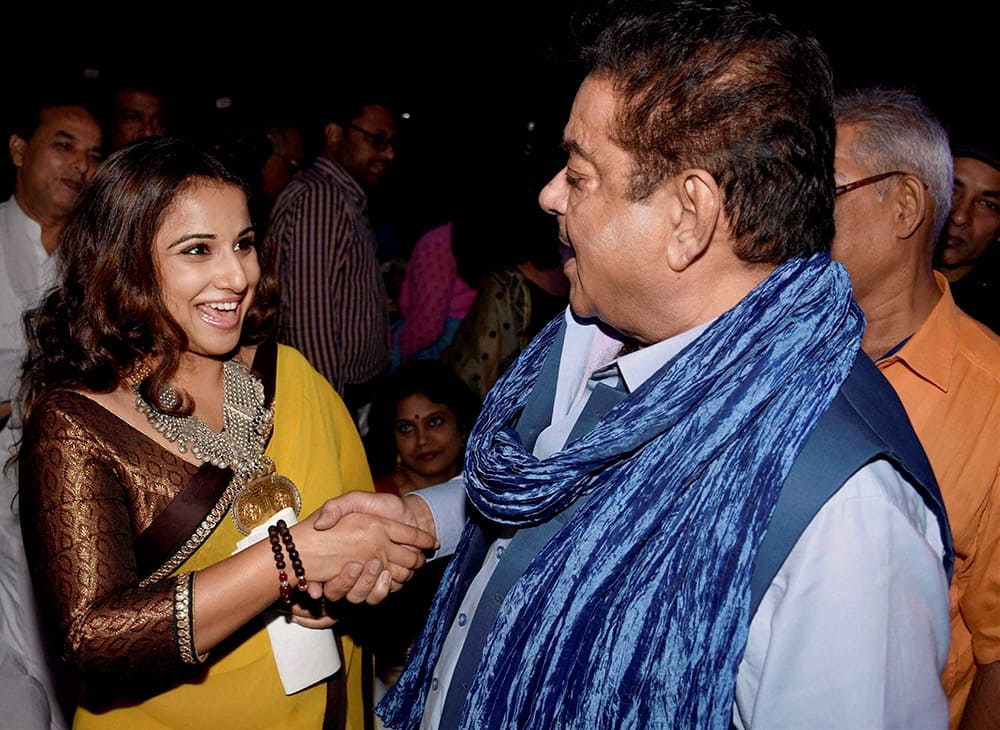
90	484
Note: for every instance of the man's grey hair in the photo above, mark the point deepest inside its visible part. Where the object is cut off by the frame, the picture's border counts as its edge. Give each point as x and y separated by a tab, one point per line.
898	132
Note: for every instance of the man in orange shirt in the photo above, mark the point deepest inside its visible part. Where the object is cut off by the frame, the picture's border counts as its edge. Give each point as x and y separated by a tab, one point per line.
893	170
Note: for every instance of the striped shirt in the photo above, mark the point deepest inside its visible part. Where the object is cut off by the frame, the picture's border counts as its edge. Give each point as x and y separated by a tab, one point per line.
334	307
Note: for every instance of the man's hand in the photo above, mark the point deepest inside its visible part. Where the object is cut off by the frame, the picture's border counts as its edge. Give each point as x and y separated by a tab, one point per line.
410	510
370	582
982	709
366	555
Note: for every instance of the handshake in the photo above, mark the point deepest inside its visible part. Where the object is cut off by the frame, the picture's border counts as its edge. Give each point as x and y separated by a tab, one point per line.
362	546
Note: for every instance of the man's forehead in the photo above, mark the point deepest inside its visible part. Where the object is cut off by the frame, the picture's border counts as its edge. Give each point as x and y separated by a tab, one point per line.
593	109
378	117
71	120
138	99
970	170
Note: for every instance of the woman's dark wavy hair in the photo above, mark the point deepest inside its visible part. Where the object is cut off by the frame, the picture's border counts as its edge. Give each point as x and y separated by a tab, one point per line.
106	316
430	378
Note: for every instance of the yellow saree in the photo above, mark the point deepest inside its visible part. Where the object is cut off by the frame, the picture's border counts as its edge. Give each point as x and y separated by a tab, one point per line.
314	444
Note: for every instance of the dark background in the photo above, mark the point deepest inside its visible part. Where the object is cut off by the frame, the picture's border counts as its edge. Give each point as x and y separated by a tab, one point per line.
471	75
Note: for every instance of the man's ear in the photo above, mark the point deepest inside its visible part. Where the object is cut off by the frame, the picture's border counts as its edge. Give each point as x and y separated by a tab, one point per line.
16	145
910	209
333	135
699	204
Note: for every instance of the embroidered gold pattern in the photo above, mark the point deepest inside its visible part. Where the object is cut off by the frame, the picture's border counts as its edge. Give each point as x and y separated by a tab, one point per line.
185	620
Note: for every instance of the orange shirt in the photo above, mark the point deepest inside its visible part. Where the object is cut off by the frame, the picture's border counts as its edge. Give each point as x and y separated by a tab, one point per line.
948	378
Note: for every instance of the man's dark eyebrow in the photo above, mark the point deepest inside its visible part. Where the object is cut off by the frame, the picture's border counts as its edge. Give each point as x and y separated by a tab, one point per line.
987	193
572	147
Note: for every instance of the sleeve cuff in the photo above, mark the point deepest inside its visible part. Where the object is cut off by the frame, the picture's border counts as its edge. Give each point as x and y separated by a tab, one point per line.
447	504
184	619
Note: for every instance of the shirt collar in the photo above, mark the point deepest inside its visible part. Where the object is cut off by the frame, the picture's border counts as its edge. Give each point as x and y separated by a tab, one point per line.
333	169
637	367
21	223
930	353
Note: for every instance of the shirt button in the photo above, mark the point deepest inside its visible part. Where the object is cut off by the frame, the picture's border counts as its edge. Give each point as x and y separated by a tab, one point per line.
499	551
498	597
434	684
462	619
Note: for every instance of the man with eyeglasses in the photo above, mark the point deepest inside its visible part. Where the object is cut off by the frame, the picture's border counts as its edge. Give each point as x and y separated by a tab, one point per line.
969	250
334	306
893	168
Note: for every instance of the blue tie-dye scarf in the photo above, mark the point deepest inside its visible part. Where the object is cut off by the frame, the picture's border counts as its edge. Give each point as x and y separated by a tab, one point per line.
635	614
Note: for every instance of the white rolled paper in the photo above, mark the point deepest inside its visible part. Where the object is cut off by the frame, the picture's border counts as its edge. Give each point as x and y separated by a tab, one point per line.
304	656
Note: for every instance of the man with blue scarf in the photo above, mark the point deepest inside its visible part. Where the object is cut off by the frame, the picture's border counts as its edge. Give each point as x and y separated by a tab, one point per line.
693	504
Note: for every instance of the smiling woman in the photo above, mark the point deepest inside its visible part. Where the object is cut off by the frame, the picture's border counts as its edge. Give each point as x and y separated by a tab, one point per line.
204	253
164	431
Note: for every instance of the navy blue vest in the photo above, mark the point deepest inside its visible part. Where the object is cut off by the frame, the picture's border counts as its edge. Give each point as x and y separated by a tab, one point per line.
865	422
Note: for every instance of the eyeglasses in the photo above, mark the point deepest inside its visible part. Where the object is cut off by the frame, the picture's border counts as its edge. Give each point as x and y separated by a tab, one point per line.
380	142
842	189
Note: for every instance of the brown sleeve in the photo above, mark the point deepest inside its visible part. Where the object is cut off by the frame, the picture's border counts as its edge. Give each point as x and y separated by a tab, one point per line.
79	538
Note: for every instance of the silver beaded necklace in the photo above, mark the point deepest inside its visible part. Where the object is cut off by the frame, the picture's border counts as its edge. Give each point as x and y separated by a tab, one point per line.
246	423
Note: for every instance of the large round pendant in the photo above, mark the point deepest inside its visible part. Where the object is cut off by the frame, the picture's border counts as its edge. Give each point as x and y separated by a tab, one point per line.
261	497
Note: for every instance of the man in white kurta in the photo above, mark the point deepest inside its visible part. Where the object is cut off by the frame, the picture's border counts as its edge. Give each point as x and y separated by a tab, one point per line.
56	150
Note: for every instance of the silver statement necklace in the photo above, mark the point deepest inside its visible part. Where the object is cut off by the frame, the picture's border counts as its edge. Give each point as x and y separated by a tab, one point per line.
246	425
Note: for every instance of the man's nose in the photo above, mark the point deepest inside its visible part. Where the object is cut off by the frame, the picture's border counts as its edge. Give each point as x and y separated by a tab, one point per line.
960	212
552	198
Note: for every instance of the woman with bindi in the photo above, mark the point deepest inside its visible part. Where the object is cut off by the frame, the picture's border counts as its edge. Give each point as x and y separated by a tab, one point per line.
421	422
173	459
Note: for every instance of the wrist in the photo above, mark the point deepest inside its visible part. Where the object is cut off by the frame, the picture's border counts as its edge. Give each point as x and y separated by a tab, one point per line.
421	513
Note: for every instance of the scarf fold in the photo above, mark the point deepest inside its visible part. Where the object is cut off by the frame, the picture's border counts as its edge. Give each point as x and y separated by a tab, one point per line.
635	613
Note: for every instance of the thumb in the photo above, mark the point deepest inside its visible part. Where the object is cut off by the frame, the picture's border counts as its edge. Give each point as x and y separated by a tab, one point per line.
329	515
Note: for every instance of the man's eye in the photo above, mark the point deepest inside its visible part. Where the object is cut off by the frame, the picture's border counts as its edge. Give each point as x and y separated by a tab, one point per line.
573	179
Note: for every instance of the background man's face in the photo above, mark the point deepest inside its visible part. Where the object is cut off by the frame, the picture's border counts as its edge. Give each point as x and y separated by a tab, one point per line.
57	161
137	115
864	237
974	223
360	152
613	255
